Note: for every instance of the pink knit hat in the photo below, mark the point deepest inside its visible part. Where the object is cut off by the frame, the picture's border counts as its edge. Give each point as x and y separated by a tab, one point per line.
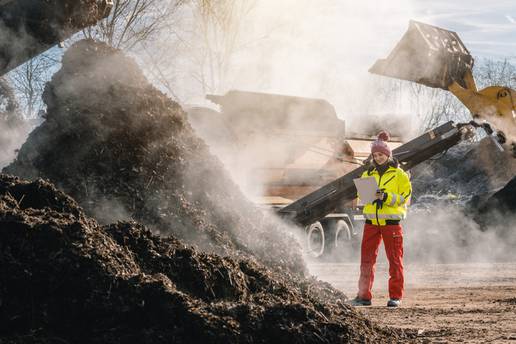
380	145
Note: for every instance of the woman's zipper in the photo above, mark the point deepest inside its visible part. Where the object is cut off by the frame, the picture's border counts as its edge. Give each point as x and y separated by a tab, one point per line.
379	184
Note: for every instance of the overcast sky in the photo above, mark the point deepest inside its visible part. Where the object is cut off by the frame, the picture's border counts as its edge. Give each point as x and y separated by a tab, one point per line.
488	28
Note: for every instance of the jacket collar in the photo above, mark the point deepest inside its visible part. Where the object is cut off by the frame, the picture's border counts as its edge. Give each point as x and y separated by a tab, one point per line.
388	170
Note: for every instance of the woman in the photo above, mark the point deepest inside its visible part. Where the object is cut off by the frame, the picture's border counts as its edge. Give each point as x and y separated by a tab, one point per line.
383	218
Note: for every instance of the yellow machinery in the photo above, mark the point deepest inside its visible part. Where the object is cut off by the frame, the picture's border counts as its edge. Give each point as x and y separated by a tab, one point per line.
436	57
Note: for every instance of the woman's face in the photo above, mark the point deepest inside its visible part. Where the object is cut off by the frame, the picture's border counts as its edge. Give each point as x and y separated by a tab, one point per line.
380	158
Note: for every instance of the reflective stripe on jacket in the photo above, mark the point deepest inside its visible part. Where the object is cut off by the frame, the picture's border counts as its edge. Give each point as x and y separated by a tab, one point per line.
395	183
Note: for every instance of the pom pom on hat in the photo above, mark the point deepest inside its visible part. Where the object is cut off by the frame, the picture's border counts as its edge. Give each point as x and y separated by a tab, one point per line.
383	136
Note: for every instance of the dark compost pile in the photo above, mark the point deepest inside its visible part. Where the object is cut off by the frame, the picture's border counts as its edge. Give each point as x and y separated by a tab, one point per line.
67	279
462	175
476	177
125	151
497	208
466	170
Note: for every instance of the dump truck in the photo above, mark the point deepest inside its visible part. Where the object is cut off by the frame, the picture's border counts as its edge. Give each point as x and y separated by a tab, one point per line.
281	148
30	27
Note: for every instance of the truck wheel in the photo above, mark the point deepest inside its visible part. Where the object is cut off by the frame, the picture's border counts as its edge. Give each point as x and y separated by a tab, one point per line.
340	242
342	238
315	240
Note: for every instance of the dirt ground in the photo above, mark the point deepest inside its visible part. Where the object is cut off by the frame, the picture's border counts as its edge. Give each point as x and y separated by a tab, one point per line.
444	303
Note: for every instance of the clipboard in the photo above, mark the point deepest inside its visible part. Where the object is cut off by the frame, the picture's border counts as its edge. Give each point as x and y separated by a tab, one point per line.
366	189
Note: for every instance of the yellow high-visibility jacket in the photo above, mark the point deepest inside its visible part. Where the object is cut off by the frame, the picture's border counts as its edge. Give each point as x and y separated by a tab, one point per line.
395	183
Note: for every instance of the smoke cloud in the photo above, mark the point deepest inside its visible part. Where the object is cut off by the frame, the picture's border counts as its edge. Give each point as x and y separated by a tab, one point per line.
11	139
13	129
321	50
311	50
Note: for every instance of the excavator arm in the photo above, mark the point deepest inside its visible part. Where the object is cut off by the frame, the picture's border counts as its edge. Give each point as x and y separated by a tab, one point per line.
437	58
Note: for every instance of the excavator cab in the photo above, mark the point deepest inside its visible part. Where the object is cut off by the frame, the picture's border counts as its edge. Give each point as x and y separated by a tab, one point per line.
436	57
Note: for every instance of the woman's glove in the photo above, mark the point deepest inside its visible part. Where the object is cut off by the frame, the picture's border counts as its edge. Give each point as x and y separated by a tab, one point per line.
380	195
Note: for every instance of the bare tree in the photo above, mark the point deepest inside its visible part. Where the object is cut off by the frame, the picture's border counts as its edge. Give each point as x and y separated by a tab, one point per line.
132	22
149	29
29	80
197	52
430	106
500	73
136	26
219	32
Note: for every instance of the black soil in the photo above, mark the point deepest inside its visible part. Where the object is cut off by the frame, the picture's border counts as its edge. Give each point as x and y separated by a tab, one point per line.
477	179
466	170
475	176
497	208
67	279
125	151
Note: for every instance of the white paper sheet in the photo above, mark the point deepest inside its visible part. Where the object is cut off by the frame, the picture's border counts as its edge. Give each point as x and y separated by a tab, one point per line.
366	188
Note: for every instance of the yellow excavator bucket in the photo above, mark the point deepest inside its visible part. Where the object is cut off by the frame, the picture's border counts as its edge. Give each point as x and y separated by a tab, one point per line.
427	55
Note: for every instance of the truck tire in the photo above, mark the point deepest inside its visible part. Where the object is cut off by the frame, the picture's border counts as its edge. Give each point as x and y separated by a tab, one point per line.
342	235
340	242
315	240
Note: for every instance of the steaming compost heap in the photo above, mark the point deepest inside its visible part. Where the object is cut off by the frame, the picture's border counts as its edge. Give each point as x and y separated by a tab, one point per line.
124	151
497	207
66	278
478	178
464	171
12	125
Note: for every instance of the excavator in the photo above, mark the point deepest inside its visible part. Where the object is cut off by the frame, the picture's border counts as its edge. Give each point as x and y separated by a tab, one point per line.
30	27
435	57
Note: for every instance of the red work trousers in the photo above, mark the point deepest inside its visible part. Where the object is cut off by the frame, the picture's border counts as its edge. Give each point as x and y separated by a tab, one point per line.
393	240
